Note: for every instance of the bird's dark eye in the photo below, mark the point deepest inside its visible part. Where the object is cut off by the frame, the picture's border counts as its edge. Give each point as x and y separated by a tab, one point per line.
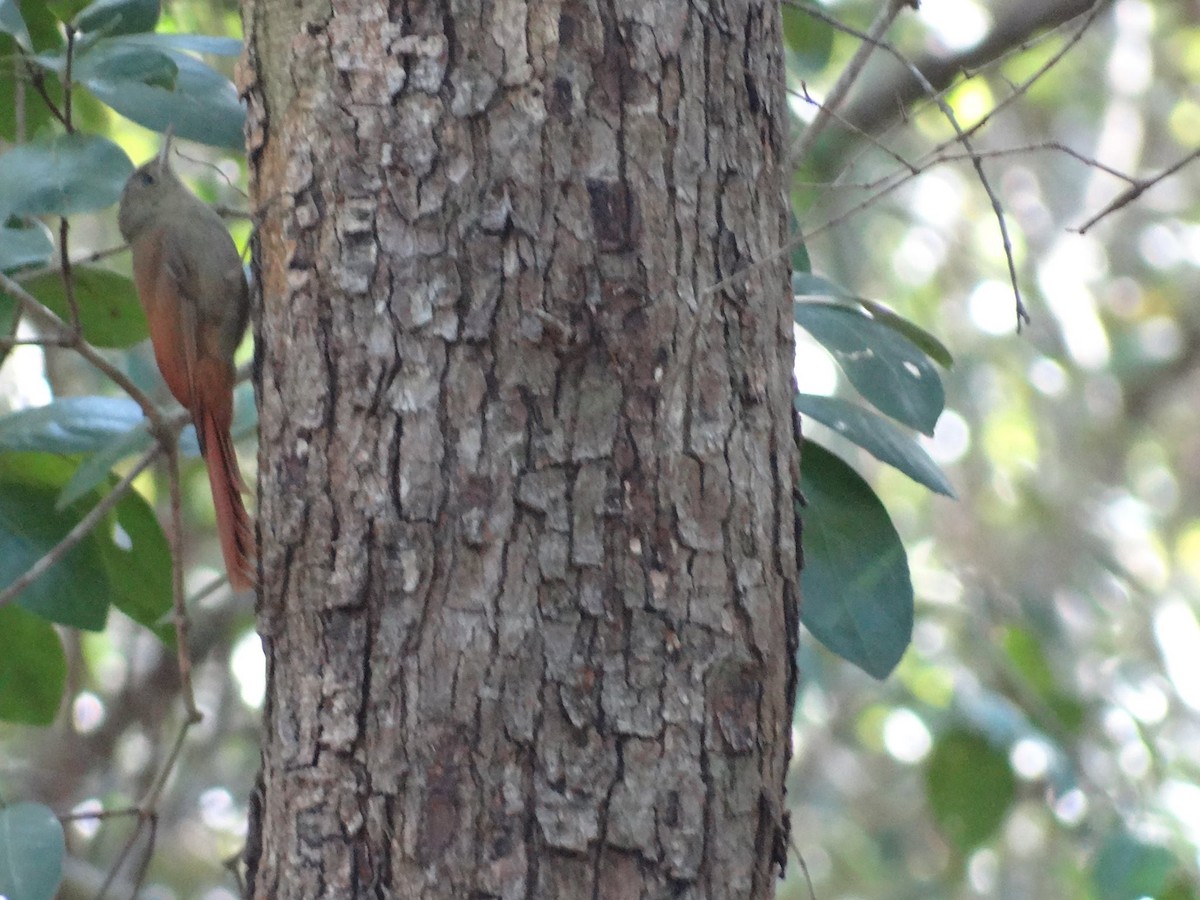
146	177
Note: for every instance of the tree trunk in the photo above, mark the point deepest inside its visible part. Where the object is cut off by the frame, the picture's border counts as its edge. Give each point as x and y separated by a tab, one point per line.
529	576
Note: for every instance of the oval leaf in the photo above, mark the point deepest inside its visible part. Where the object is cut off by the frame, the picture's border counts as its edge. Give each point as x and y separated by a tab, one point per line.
33	668
858	596
96	468
891	373
203	107
196	43
118	16
109	311
932	346
32	848
115	60
140	564
69	425
61	175
13	23
970	787
76	590
878	436
809	41
22	247
1126	868
805	284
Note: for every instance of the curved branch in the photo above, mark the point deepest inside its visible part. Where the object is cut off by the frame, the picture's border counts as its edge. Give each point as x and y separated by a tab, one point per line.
892	88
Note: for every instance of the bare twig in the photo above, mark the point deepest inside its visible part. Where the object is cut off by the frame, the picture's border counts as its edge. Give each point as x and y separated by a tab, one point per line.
1138	187
849	75
86	259
67	119
100	814
142	817
18	101
38	79
804	94
68	279
812	891
876	39
180	599
87	351
81	530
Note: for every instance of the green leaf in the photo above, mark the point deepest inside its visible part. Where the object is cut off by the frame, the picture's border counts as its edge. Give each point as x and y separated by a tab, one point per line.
61	175
1126	868
970	787
96	468
140	563
931	345
32	848
800	261
33	668
37	116
196	43
66	10
13	23
805	284
890	372
809	41
109	311
858	597
115	60
76	590
204	106
1028	658
43	27
22	247
118	16
10	316
878	436
69	425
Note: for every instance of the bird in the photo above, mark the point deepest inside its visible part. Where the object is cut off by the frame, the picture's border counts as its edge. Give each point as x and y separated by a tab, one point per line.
191	285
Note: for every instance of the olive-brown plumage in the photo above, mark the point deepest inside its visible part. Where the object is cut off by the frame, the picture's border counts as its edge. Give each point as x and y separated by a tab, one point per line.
190	281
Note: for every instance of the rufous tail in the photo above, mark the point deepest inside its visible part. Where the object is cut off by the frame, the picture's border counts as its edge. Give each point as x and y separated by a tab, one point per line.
233	522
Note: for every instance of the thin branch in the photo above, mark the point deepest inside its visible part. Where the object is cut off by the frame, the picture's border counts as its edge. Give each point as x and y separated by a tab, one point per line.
804	95
37	78
99	814
86	259
1136	189
121	857
67	84
812	892
87	351
962	138
1022	89
208	590
179	597
68	279
883	21
81	530
18	101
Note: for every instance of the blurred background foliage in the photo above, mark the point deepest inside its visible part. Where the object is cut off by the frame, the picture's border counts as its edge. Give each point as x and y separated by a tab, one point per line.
1041	737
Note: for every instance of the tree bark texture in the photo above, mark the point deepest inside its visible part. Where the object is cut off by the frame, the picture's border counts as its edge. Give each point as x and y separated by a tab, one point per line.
529	575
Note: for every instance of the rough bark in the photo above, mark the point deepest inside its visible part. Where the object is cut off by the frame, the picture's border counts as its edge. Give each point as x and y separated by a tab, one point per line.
529	578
